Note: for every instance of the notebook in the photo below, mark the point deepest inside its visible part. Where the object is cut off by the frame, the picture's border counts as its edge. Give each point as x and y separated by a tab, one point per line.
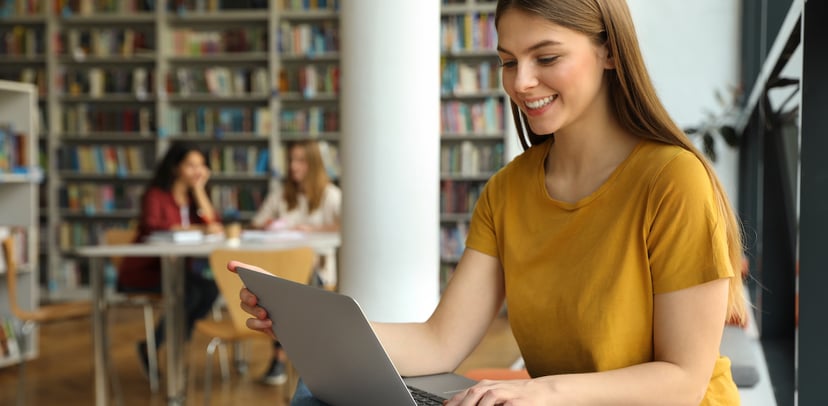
334	349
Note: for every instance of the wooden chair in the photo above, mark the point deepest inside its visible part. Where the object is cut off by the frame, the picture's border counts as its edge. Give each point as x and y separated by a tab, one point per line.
41	315
293	264
147	301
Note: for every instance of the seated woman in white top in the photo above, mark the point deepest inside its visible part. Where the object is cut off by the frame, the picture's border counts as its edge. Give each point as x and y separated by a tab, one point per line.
307	201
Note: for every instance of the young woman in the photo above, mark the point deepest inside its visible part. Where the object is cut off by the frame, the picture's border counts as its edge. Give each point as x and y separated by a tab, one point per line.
175	199
610	237
308	201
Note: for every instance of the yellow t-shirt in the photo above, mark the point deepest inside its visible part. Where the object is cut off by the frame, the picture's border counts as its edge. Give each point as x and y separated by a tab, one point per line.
580	278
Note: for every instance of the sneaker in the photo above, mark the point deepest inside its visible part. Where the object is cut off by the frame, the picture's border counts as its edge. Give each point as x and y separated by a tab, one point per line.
275	375
143	358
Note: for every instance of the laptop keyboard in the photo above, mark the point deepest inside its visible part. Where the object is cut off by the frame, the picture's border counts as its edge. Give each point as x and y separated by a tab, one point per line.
424	398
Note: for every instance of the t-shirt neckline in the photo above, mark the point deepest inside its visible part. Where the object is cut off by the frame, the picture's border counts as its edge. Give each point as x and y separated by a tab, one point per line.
541	179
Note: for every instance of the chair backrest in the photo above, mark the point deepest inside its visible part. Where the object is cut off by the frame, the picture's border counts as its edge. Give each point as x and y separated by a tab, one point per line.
115	236
11	278
293	264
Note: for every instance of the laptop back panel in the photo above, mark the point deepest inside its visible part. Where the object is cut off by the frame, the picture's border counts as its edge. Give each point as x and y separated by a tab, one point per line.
330	342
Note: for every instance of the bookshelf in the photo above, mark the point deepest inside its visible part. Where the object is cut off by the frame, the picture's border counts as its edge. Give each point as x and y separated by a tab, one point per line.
19	179
118	81
475	119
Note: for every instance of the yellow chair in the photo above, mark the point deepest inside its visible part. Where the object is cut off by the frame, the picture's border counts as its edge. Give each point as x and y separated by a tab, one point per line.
292	264
116	236
42	314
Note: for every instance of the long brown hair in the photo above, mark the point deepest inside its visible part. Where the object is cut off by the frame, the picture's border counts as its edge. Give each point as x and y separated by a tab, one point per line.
637	107
315	182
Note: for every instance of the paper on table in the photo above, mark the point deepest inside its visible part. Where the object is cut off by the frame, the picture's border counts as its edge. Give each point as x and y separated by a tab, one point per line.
264	235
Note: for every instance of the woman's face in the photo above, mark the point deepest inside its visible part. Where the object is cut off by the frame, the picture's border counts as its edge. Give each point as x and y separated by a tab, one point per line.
298	164
552	73
193	170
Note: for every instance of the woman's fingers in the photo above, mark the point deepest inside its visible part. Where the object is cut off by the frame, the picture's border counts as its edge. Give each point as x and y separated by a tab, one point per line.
261	325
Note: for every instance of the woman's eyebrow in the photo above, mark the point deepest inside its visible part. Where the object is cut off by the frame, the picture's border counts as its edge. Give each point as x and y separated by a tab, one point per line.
538	45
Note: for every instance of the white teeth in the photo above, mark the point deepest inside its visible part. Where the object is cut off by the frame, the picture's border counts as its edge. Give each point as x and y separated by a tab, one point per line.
540	103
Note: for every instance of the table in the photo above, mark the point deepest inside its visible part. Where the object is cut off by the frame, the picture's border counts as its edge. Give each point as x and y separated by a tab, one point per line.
172	281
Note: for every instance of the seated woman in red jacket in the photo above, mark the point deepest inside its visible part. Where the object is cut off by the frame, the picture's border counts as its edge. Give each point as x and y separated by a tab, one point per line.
175	199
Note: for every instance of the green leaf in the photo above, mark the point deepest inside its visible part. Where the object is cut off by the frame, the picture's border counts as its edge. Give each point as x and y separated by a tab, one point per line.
709	146
729	135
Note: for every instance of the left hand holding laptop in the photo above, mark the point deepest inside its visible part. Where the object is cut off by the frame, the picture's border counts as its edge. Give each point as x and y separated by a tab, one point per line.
250	304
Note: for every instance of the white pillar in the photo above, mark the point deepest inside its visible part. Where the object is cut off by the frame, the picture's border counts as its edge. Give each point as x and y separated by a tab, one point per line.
390	147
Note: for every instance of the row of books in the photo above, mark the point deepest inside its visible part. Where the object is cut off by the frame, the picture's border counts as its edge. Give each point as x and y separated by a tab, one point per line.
466	78
219	81
98	82
83	119
35	76
193	42
239	160
310	80
21	40
461	117
305	5
88	7
183	6
76	234
91	198
106	160
308	38
231	200
217	121
9	344
312	120
18	8
80	43
470	159
14	148
453	240
468	32
459	197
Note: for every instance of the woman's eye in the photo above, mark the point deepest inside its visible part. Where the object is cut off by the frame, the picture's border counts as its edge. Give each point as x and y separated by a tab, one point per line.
508	64
547	60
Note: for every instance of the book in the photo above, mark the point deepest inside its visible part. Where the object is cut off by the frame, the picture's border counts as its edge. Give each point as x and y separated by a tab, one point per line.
177	236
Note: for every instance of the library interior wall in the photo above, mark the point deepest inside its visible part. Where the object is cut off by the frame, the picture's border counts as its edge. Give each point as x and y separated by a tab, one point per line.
692	50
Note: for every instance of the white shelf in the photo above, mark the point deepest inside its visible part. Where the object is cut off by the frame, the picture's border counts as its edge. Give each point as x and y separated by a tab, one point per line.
224	16
19	203
234	57
214	98
304	15
107	98
109	18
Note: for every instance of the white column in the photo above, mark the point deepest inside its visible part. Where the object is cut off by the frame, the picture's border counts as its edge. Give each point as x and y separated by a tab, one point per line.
390	147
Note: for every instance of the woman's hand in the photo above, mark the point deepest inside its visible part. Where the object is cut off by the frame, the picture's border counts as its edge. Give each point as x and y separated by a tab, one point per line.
508	393
250	304
201	179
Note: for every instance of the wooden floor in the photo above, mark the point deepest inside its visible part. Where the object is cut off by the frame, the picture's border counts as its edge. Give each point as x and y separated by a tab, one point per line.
63	372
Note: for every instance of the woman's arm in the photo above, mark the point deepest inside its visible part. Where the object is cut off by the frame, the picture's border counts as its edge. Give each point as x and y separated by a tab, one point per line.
688	328
468	305
472	298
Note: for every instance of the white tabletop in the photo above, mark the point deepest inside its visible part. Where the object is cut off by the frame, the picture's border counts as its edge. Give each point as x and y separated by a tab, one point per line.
318	241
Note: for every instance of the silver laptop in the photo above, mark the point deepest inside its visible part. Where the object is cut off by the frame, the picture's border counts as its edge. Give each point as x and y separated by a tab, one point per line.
334	349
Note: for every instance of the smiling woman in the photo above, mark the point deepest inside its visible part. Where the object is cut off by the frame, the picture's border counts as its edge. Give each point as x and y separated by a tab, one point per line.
610	237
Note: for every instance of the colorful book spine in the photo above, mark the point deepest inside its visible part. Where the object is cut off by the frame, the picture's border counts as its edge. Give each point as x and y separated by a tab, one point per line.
217	121
198	42
238	160
106	160
482	118
218	81
459	197
91	198
83	119
308	38
453	240
22	40
309	5
468	32
98	82
79	43
459	78
310	80
471	159
14	148
312	120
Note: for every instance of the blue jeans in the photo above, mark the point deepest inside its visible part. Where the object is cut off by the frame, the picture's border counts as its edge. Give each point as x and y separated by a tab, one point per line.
303	396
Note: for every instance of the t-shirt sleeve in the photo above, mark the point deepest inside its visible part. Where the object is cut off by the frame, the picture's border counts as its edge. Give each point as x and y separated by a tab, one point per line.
332	205
686	243
482	236
269	209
